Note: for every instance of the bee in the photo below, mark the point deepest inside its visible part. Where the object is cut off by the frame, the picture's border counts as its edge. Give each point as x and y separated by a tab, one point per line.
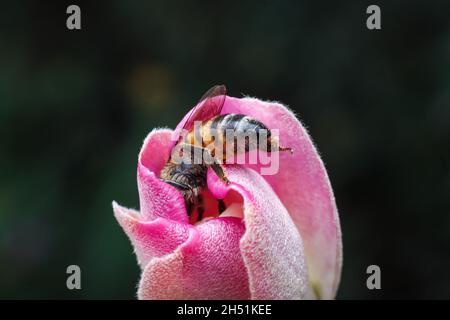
189	175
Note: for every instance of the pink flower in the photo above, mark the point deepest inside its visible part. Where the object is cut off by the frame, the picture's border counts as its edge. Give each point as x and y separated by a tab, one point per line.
279	238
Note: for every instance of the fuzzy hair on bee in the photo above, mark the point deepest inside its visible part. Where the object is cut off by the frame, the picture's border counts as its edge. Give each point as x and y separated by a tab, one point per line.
189	179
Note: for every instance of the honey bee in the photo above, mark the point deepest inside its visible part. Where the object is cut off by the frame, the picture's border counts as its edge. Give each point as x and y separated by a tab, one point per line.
189	175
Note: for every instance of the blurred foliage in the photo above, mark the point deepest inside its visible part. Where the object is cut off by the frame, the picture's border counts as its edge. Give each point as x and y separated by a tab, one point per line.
76	105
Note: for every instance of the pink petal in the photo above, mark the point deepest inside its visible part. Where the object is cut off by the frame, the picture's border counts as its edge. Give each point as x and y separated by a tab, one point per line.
303	187
157	198
150	239
271	246
207	266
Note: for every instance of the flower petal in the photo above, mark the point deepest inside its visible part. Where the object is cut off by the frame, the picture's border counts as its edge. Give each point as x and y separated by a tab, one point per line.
150	239
271	246
157	198
207	266
303	187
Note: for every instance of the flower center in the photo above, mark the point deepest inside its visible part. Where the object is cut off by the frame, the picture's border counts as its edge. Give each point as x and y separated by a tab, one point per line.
210	207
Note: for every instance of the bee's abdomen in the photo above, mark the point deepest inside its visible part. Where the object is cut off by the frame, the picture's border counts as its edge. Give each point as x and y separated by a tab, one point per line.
243	131
227	128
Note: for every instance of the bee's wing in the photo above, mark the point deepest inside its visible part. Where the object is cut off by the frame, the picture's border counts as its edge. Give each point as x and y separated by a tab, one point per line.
209	106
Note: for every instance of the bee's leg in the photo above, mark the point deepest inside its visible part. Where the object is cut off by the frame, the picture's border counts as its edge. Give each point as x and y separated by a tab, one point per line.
188	208
200	208
209	160
217	167
221	205
219	172
275	146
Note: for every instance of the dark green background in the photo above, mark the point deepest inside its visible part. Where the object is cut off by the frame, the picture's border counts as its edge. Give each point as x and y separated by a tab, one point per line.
76	105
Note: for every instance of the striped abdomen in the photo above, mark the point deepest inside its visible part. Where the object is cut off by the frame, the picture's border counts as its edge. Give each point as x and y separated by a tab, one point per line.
243	132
